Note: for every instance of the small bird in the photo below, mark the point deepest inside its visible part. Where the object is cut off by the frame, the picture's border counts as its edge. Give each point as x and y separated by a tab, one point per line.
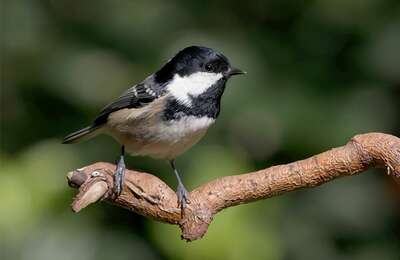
167	113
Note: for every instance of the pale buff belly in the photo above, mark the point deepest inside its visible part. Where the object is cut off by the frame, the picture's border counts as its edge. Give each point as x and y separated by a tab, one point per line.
143	133
157	148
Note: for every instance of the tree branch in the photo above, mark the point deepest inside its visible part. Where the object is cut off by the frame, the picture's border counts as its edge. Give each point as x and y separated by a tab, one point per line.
147	195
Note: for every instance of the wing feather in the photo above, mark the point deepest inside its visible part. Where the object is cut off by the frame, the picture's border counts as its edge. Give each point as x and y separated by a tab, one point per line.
137	96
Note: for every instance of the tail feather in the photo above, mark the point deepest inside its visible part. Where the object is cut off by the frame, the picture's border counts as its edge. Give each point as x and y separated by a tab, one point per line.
82	134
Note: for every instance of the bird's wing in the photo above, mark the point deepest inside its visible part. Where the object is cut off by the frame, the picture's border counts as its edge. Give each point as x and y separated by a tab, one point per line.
137	96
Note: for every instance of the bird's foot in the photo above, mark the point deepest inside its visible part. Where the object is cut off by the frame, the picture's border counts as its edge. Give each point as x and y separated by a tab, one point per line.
183	196
119	177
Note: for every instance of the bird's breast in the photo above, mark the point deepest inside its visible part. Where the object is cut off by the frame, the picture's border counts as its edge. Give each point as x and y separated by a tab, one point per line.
182	128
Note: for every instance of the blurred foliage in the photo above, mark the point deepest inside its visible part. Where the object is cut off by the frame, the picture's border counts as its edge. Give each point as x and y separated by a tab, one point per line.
319	72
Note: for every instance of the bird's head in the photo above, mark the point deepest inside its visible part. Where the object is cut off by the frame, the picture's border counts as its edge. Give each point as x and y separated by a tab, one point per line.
197	59
194	70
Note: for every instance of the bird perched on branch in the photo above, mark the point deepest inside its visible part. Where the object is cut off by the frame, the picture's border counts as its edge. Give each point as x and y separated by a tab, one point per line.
167	113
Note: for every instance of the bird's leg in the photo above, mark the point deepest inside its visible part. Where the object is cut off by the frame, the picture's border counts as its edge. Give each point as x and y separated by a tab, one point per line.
119	173
183	195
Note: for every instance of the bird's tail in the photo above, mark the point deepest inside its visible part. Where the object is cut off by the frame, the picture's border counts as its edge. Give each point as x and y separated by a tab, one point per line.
81	135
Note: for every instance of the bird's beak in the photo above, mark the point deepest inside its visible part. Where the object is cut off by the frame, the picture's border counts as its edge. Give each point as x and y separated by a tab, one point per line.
235	71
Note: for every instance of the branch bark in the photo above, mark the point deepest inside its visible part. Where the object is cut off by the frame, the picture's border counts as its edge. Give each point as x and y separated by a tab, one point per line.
149	196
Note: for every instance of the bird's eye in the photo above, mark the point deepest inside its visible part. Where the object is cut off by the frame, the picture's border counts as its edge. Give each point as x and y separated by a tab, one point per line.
209	67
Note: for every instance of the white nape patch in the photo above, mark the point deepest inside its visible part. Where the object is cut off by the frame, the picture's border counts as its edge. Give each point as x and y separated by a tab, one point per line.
193	85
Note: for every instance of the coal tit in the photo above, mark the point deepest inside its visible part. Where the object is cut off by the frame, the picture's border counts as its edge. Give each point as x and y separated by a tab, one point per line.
167	113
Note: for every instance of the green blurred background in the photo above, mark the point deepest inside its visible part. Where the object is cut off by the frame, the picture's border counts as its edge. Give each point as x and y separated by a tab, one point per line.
319	72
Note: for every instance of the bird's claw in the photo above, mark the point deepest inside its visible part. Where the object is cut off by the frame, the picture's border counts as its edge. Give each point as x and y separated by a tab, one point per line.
183	196
119	177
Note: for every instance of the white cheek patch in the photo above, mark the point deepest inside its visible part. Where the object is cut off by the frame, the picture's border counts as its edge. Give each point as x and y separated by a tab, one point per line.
182	88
